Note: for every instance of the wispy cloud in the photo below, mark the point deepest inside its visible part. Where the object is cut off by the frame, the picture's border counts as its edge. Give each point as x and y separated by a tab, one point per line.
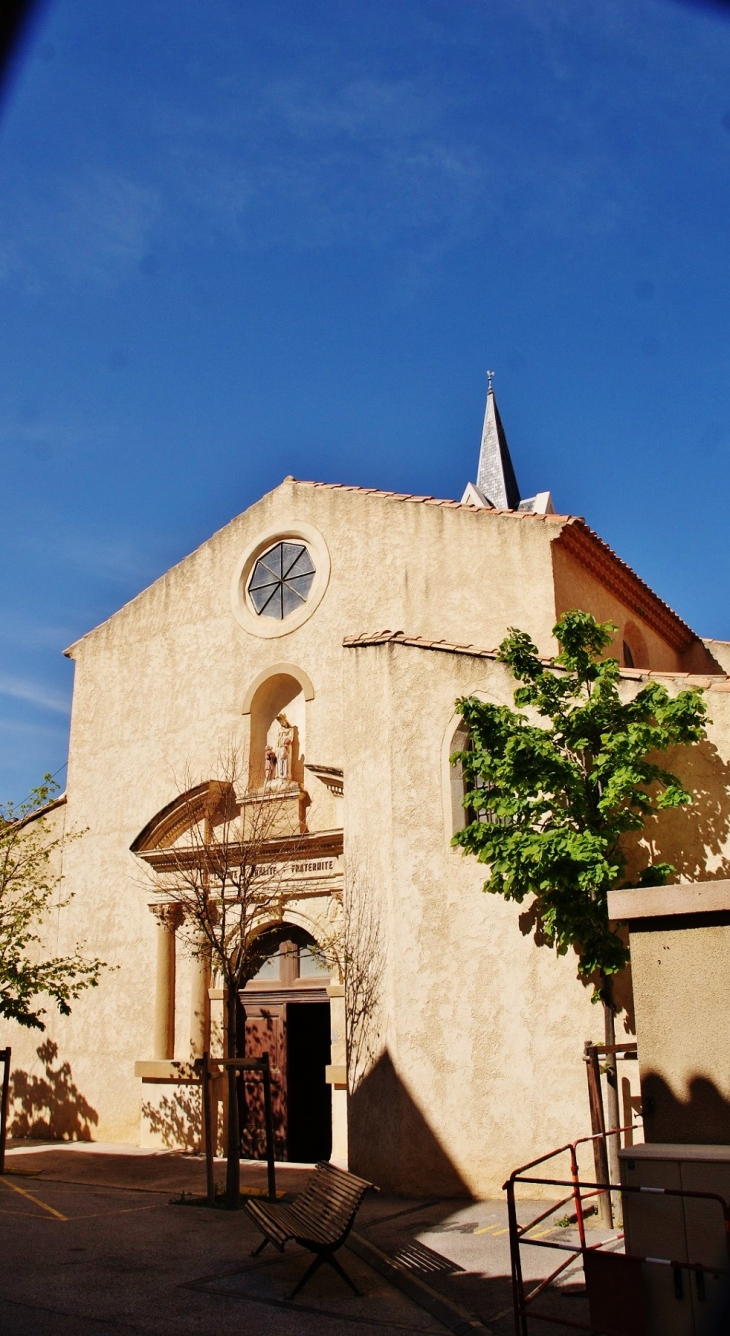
22	630
89	228
340	147
42	435
35	693
119	559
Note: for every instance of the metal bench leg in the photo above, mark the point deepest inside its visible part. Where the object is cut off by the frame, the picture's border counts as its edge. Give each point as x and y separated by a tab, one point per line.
341	1272
260	1248
316	1264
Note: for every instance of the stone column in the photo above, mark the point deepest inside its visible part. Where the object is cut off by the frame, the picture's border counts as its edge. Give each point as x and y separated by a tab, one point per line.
168	920
199	984
336	1075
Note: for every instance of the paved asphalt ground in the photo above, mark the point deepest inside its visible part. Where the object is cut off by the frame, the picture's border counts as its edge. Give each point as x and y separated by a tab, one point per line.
90	1243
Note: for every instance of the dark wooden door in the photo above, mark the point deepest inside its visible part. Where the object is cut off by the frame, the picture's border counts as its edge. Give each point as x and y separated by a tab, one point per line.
265	1033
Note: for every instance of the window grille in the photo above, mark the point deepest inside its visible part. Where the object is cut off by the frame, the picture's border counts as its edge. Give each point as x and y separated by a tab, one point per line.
281	580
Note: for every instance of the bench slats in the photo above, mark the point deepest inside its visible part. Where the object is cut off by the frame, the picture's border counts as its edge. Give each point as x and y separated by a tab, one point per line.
320	1215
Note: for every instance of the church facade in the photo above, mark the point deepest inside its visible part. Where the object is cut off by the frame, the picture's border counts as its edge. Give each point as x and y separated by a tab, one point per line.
326	633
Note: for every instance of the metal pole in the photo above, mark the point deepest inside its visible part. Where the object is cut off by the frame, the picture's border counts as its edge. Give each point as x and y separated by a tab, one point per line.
598	1127
207	1130
577	1197
5	1055
269	1120
613	1143
518	1289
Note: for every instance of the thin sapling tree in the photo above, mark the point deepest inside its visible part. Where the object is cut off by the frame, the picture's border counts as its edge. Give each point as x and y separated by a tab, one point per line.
227	876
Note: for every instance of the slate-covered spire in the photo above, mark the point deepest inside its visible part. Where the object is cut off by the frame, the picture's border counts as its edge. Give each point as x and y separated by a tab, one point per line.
496	477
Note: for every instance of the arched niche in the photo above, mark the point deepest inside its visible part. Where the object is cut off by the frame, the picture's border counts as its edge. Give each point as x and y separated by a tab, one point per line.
634	650
282	689
456	739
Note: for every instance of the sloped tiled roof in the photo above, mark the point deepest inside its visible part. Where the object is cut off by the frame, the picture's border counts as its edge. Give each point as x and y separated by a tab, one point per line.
714	682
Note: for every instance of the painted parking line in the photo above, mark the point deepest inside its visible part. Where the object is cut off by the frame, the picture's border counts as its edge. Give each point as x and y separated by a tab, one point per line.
68	1219
123	1210
36	1200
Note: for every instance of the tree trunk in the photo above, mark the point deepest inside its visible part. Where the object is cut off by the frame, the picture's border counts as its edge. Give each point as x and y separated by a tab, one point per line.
613	1120
241	1053
233	1148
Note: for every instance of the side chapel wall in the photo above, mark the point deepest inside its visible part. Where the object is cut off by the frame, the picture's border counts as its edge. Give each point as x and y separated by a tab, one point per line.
479	1034
577	587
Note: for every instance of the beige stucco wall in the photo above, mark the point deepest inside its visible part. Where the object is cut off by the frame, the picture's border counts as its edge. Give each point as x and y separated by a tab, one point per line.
682	1005
679	962
480	1032
720	651
478	1035
159	691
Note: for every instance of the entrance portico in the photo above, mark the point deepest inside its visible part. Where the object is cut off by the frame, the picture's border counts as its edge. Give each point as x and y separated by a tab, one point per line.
288	1005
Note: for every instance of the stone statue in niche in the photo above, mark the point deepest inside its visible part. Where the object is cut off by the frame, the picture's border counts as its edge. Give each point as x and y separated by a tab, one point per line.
270	764
284	748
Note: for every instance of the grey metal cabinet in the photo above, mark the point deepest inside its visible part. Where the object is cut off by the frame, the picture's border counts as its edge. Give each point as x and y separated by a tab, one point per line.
679	1229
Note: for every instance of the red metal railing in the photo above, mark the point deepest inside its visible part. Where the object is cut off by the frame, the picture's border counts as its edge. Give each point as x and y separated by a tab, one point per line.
580	1192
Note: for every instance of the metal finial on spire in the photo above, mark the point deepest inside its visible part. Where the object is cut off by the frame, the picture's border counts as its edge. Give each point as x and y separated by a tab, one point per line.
490	378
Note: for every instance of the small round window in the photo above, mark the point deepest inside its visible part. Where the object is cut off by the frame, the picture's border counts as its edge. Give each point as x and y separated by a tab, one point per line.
281	580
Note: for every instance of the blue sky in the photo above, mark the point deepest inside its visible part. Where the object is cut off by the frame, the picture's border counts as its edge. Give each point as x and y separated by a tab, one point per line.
250	239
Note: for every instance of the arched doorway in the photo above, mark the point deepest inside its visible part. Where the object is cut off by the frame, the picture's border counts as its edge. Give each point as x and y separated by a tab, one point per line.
288	1017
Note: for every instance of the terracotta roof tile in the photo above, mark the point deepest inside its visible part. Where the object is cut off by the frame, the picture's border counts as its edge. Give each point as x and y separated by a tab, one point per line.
428	500
721	682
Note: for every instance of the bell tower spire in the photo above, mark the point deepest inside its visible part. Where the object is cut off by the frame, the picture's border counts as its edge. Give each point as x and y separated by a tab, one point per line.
496	485
495	475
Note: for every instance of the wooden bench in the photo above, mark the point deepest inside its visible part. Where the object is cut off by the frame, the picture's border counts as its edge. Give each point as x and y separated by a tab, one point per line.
319	1218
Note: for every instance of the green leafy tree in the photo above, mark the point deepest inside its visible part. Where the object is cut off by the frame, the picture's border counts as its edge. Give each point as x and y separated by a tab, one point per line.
550	803
29	886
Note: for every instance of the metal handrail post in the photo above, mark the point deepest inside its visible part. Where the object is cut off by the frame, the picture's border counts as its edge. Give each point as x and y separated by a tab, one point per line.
598	1127
518	1289
4	1099
577	1198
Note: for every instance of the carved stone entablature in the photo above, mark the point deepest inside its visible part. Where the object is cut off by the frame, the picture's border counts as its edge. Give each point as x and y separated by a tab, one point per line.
296	849
332	777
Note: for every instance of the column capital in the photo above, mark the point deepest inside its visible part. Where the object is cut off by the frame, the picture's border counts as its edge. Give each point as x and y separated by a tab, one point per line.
168	915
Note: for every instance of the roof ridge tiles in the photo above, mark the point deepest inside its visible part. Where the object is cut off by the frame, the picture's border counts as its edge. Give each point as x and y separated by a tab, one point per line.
717	682
576	523
429	500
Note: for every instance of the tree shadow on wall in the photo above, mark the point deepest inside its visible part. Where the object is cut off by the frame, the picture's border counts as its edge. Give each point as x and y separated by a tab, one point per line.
390	1142
692	837
704	1117
50	1106
177	1118
689	838
263	1034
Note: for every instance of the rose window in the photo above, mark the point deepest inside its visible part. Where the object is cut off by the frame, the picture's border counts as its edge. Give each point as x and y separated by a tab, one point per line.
281	580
